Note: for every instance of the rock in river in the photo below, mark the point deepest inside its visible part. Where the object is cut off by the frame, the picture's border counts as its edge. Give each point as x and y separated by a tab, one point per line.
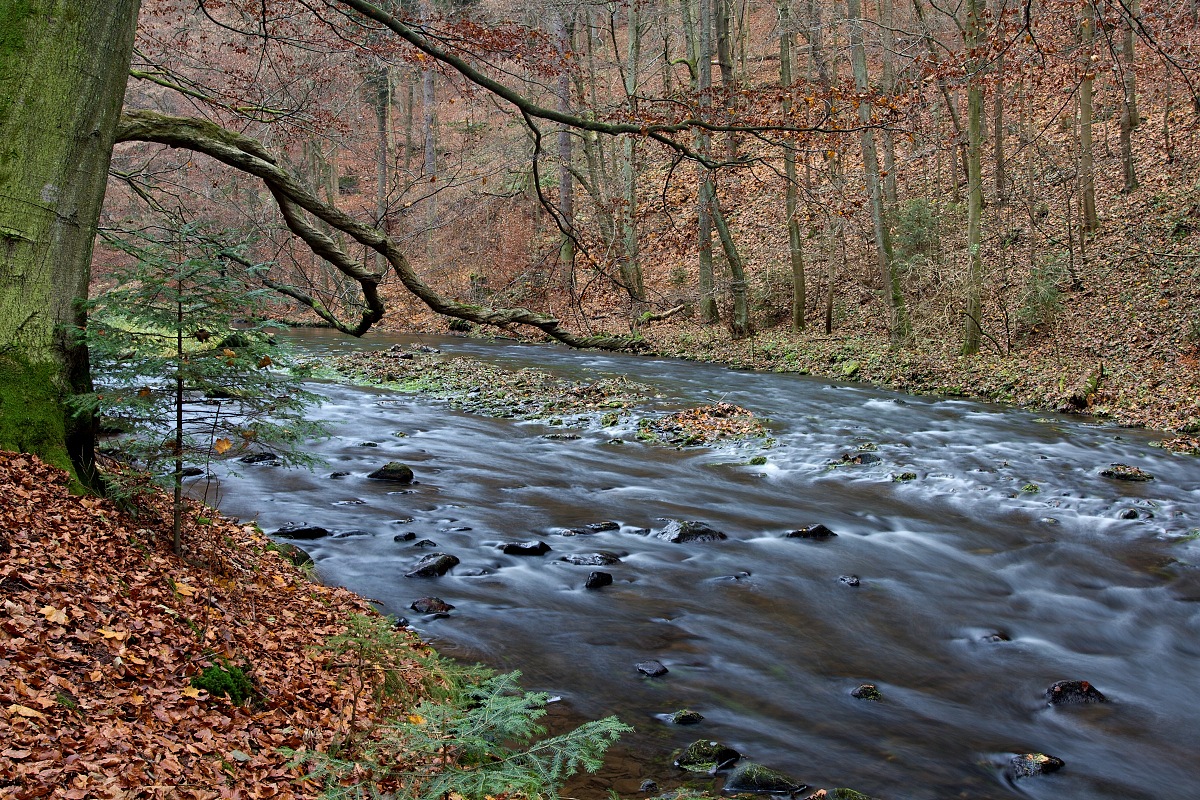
1027	765
392	471
430	605
757	779
683	531
294	554
1124	472
1070	693
817	531
599	559
301	532
705	755
432	566
654	669
532	548
685	716
867	691
598	580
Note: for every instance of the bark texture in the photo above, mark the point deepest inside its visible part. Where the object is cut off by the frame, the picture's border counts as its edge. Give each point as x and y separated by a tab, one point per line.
63	66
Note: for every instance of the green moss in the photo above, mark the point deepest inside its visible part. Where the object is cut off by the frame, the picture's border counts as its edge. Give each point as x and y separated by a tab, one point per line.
225	680
32	415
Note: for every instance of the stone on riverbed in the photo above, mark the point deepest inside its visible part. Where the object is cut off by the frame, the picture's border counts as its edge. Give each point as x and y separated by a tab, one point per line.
705	755
684	531
685	716
433	565
867	691
1124	472
757	779
431	605
1027	765
531	548
1070	693
301	532
265	457
393	471
817	531
654	669
598	580
597	559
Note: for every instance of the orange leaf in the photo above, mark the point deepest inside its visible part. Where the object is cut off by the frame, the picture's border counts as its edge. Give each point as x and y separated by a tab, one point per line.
53	614
222	445
185	590
120	636
264	362
191	692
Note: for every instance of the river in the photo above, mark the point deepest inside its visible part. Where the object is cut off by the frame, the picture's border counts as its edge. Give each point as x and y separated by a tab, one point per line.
1086	578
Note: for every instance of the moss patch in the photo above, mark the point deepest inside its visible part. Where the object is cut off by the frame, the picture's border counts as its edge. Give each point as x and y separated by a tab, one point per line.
32	414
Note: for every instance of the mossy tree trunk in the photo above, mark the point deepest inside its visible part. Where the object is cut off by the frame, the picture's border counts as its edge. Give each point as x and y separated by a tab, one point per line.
63	66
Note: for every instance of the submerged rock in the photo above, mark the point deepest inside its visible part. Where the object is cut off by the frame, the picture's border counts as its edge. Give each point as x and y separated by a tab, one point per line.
684	531
1070	693
407	536
849	794
431	605
705	755
598	580
685	716
1124	472
265	457
648	786
598	559
350	534
817	531
393	471
654	669
757	779
531	548
340	474
857	459
1027	765
301	532
433	565
850	580
425	543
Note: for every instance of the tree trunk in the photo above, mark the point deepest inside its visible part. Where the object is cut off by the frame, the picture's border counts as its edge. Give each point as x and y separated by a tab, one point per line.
974	301
1129	110
704	53
631	270
795	243
381	82
887	25
62	81
1087	178
564	30
724	22
898	324
998	170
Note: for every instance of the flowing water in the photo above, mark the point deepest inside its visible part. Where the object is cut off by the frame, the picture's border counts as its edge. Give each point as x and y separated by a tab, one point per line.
1087	578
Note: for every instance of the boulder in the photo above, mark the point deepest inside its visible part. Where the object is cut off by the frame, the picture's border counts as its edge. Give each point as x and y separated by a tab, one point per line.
1124	472
393	471
601	527
531	548
598	580
648	787
265	457
857	459
301	532
338	474
684	531
654	669
685	716
757	779
425	543
817	531
350	534
598	559
1071	693
191	472
407	536
433	565
705	755
1027	765
430	605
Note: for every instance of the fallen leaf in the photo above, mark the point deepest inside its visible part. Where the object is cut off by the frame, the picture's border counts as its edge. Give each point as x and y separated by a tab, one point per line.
25	711
192	692
222	445
54	614
120	636
184	589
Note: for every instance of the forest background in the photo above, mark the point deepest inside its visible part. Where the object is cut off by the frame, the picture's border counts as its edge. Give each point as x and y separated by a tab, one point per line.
996	199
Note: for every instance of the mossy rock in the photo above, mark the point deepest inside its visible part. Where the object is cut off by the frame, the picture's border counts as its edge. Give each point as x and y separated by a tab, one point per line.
757	779
394	472
686	716
706	755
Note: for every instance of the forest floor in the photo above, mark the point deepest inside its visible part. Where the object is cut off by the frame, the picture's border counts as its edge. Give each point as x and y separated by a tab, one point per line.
104	631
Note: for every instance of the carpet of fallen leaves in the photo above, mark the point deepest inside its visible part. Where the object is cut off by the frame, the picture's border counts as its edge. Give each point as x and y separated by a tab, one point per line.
102	629
703	425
